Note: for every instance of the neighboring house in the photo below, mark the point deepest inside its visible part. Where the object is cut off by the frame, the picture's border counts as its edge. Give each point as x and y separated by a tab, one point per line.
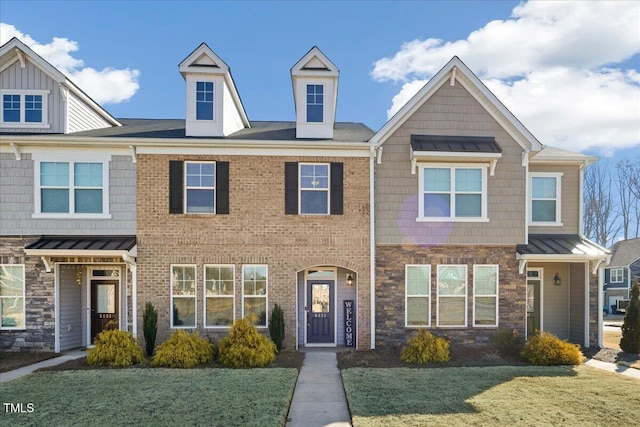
477	224
213	217
621	272
67	211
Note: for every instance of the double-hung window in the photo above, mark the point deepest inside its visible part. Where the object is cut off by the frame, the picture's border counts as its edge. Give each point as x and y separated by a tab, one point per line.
254	293
314	188
418	295
617	275
12	313
545	199
201	187
183	296
24	108
452	193
315	103
485	295
452	295
204	100
218	295
71	188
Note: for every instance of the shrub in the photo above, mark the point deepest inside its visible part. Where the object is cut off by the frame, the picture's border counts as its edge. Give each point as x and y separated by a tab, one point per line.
630	341
150	327
114	348
507	342
245	347
425	348
276	327
545	349
183	350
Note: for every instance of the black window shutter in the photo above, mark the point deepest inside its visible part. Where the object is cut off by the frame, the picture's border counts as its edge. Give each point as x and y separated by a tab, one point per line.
337	189
222	188
291	188
175	187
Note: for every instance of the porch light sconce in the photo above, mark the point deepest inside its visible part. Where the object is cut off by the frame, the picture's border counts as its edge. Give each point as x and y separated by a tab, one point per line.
556	280
349	280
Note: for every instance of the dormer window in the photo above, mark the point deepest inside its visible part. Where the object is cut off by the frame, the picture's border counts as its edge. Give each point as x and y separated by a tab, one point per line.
204	101
315	103
24	108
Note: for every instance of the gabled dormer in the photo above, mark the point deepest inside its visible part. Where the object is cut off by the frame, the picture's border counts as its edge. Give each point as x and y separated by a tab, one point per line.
315	93
214	107
36	97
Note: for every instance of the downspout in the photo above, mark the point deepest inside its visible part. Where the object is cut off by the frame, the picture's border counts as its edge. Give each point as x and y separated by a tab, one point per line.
372	248
131	262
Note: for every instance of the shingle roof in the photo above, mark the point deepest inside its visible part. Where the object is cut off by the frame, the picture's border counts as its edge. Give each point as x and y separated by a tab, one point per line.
459	144
559	244
625	252
259	130
87	243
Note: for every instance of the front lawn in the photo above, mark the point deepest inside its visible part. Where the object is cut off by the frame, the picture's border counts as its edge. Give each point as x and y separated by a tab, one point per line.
152	397
491	396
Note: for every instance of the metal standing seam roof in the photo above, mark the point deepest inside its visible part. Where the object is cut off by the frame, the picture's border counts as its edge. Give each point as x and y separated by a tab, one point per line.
562	244
457	144
87	243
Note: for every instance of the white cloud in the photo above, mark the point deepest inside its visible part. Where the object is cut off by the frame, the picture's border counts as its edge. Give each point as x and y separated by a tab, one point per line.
108	86
555	65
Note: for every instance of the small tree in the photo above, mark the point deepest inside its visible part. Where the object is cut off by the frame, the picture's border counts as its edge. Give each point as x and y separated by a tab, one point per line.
276	327
630	341
150	327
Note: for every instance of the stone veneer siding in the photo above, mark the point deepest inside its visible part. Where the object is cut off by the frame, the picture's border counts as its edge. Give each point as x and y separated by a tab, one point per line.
256	231
39	333
390	291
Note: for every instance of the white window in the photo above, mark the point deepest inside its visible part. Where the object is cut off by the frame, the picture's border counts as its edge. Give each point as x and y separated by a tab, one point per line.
12	296
452	295
485	295
617	275
183	296
219	294
24	109
418	295
254	293
314	188
545	201
200	191
315	103
204	100
67	188
452	193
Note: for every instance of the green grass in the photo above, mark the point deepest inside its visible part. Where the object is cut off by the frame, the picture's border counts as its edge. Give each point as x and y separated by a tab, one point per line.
152	397
491	396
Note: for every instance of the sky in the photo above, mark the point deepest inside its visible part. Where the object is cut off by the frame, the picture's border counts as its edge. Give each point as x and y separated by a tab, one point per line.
569	71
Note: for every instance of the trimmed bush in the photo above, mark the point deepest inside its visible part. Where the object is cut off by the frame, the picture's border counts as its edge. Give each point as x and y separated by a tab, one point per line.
546	349
114	348
150	327
507	342
423	347
276	327
183	350
245	347
630	342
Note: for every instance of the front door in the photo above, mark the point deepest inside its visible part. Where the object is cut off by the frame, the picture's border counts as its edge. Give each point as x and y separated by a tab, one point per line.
104	304
534	284
320	312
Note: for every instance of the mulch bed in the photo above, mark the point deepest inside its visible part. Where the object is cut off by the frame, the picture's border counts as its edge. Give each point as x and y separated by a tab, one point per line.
11	360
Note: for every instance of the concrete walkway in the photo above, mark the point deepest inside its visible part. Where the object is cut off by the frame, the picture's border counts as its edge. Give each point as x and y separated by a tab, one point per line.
26	370
611	367
319	398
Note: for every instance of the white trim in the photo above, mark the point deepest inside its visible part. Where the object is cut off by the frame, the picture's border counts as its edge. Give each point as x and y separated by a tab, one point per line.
326	190
186	187
334	279
194	296
204	295
558	199
24	299
406	296
611	270
122	310
266	294
600	305
497	295
44	124
453	167
466	294
540	277
372	251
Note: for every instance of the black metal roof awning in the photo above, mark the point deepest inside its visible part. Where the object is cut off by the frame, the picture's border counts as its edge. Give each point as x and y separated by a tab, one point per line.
454	144
81	245
561	245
